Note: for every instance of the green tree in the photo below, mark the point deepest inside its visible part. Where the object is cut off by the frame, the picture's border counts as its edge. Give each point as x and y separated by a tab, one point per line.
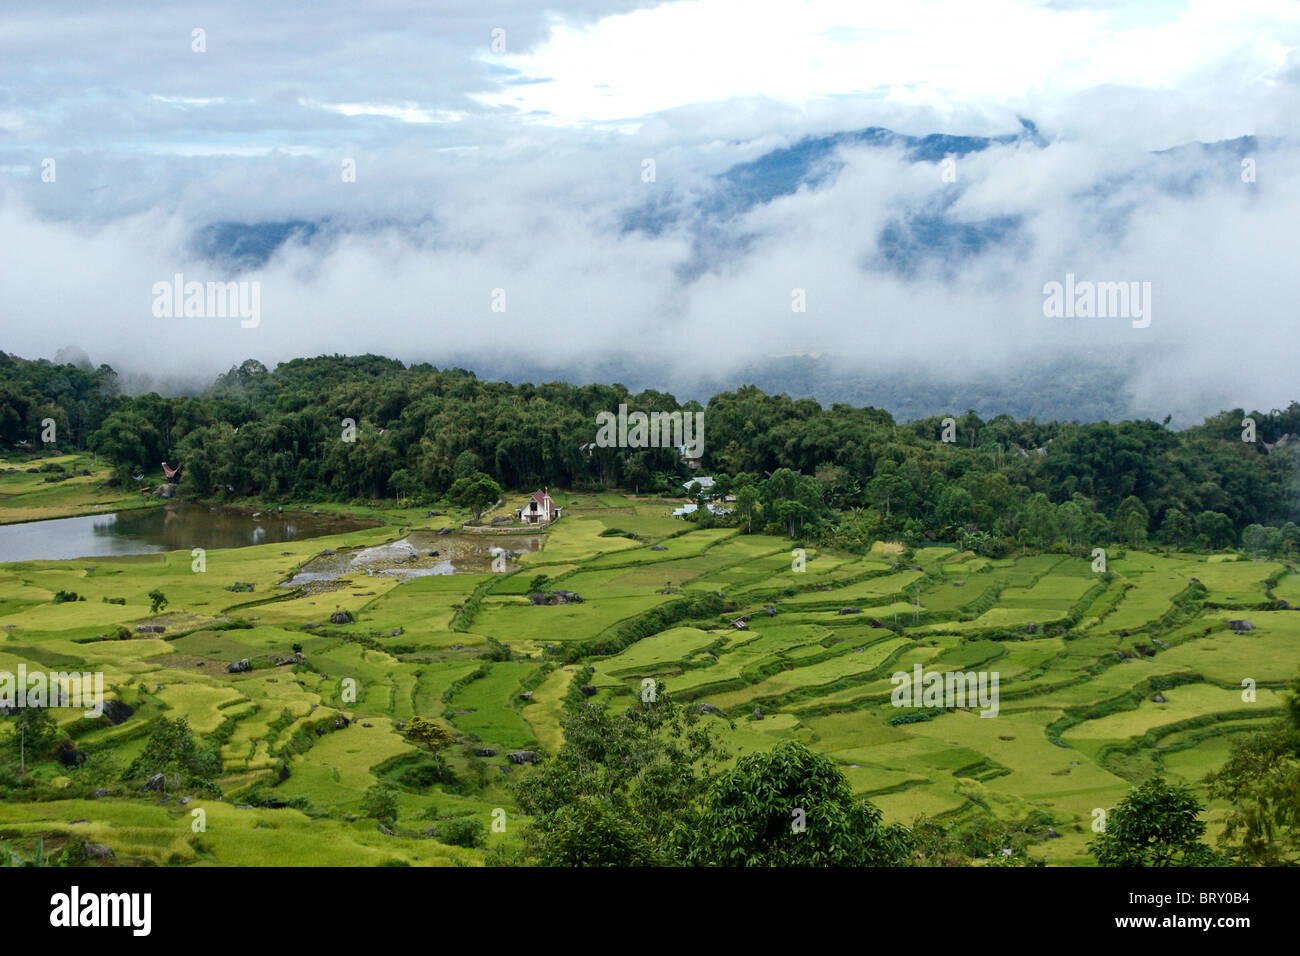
790	807
1156	824
1261	779
35	731
157	601
172	751
477	493
380	803
634	775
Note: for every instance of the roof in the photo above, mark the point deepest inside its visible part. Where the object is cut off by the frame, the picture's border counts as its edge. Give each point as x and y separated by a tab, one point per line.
704	481
541	497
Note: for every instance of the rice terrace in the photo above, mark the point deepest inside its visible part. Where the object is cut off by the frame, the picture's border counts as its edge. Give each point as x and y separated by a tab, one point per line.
301	690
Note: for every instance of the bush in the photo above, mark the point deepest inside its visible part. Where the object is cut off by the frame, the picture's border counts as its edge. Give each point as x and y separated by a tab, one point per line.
464	832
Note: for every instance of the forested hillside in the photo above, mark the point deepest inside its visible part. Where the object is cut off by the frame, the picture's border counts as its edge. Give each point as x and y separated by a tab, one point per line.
841	475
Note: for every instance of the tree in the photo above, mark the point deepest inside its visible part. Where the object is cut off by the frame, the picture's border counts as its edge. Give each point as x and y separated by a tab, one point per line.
172	751
1131	522
477	493
430	733
157	601
380	803
35	731
625	779
790	807
746	504
1156	824
1261	779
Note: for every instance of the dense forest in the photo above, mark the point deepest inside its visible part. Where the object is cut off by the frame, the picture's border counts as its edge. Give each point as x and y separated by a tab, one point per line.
367	427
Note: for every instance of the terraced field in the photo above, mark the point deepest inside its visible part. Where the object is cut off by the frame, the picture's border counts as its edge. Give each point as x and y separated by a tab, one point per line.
1104	678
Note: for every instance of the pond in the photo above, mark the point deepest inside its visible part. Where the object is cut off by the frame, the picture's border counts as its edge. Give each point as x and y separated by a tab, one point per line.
176	527
419	554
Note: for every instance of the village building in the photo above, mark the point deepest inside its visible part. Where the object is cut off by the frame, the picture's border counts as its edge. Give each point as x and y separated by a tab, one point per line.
539	509
705	482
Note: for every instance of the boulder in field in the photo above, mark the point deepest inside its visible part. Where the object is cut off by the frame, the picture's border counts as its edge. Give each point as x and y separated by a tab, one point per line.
706	708
155	784
115	711
1241	626
96	851
239	666
522	756
485	752
849	610
341	616
758	713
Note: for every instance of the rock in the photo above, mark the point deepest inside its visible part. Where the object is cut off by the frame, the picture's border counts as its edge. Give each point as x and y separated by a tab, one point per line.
78	820
69	754
341	617
658	547
959	584
1031	628
115	711
877	622
706	708
384	830
554	597
155	784
366	723
183	801
1241	626
522	756
443	531
849	610
588	690
398	632
239	666
771	611
526	695
96	851
757	714
485	752
164	491
1159	699
150	629
101	792
1052	834
166	799
328	552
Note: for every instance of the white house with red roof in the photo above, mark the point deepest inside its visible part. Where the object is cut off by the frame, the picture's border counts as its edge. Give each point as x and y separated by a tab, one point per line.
538	509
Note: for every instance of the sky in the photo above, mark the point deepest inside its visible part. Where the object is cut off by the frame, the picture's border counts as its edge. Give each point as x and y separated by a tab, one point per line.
499	149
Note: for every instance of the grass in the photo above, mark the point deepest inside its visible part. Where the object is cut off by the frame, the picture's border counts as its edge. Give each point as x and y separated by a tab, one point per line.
1075	719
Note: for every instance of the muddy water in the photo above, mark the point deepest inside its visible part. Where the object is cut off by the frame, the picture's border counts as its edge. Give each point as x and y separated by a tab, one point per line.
414	557
178	527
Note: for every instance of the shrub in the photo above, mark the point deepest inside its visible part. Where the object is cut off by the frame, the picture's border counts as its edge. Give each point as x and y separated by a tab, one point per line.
464	832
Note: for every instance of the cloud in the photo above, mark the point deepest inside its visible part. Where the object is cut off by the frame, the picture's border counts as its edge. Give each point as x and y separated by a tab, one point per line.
461	191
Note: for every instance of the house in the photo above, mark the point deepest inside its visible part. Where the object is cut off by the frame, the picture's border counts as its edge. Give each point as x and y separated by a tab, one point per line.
692	508
539	509
704	481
